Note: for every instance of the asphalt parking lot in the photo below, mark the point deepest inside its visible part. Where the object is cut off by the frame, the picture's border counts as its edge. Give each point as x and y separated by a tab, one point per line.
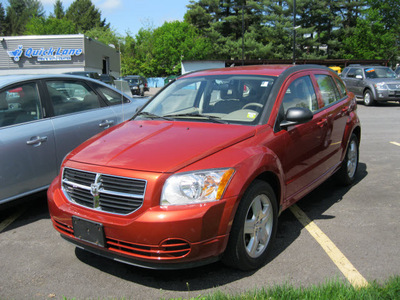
361	222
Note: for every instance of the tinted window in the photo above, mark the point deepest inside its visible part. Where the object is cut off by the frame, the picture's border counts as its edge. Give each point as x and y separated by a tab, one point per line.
300	94
112	96
20	104
69	97
329	91
353	72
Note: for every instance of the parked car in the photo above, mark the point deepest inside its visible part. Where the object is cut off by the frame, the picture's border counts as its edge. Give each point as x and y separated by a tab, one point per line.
203	171
372	83
107	78
136	84
337	69
89	74
397	71
44	117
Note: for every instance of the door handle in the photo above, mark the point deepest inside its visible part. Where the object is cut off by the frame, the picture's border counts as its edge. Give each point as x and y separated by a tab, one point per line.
36	140
322	123
106	123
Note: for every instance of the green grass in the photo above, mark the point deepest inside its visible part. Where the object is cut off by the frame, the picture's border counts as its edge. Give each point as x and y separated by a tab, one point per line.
331	290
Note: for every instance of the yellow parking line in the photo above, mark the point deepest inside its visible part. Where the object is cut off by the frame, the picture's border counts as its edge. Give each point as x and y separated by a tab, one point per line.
394	143
10	219
344	265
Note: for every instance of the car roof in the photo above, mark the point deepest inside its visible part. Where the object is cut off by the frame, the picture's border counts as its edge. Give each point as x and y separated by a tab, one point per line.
10	79
267	70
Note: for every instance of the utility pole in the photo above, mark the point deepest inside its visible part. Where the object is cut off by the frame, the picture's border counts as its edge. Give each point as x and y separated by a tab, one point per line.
294	32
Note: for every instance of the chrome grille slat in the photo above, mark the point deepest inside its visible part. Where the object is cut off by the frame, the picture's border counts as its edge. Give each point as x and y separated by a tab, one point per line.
118	195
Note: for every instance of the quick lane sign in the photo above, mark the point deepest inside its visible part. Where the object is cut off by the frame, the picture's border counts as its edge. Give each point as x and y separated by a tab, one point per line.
45	54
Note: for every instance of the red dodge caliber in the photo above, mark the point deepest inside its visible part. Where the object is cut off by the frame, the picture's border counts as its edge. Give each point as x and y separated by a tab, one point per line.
204	169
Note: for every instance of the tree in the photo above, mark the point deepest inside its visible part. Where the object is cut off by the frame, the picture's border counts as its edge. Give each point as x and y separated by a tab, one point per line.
43	26
264	24
59	12
2	20
104	35
371	39
176	41
19	12
85	15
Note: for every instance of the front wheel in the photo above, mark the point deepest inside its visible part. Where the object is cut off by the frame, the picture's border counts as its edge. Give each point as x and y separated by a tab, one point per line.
368	98
347	171
253	229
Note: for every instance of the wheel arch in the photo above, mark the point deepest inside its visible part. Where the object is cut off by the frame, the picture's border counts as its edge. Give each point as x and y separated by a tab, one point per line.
273	180
371	89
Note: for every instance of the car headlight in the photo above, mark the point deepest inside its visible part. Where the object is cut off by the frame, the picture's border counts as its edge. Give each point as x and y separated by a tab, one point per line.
381	86
196	187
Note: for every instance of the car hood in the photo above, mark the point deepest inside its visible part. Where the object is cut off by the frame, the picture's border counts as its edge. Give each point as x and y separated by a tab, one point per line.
159	146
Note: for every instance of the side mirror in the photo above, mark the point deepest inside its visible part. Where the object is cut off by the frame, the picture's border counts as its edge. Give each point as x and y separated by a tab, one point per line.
296	115
359	77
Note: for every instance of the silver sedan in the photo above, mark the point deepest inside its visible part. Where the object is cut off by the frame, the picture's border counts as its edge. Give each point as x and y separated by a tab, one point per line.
44	117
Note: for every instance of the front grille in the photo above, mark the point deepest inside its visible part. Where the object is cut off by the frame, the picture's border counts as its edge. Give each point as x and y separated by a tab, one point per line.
108	193
395	87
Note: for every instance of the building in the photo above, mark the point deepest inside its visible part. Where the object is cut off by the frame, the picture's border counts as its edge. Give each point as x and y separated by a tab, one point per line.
55	54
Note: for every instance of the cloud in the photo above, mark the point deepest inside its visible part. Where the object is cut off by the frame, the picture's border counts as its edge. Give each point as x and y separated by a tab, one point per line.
108	5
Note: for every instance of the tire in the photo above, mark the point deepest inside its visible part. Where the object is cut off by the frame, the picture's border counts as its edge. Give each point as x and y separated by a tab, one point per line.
347	172
254	228
368	98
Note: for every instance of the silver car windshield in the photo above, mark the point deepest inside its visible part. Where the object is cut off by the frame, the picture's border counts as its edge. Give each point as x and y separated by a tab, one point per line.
234	99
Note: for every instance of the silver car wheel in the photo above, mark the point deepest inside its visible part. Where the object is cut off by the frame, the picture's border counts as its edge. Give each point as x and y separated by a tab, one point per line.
258	226
352	158
368	98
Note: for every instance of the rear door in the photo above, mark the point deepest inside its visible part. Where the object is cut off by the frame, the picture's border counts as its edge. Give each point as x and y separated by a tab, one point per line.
336	106
27	142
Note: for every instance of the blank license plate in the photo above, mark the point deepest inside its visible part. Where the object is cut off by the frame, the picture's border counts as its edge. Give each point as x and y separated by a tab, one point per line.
88	231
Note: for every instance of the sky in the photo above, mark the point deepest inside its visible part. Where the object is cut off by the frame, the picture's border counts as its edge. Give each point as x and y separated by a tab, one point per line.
130	15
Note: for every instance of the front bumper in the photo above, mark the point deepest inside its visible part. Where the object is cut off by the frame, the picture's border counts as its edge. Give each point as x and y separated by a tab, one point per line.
387	95
152	237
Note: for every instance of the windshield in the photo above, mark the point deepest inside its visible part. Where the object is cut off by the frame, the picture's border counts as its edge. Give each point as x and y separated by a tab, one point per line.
379	73
133	81
236	99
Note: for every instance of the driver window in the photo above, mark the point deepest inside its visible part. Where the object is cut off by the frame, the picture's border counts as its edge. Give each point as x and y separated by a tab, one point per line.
300	93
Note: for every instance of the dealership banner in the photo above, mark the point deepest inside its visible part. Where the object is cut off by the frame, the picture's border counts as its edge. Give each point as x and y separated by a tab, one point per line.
44	54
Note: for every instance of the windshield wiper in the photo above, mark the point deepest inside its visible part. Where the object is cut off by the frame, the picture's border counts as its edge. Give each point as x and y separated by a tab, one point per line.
152	116
214	119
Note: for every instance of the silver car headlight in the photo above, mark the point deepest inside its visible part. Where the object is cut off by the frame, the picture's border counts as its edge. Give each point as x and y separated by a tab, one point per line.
196	187
381	86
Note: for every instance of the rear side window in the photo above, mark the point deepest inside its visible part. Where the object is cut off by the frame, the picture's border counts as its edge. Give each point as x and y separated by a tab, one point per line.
329	91
112	97
20	104
342	88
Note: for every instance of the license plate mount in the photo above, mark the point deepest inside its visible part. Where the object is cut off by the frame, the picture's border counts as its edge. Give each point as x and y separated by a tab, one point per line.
89	231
